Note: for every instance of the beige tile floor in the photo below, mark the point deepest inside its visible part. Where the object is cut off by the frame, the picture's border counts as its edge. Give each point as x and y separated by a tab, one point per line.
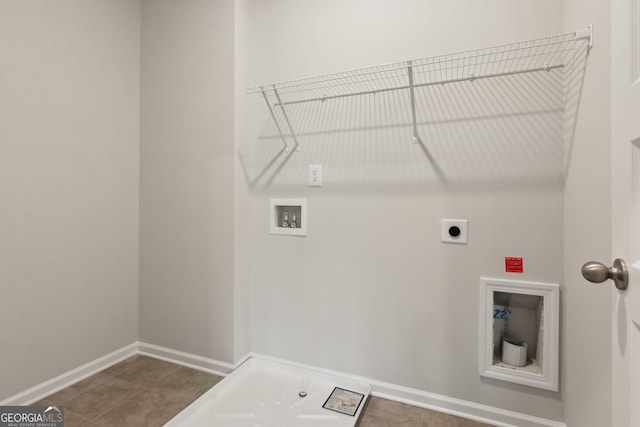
142	391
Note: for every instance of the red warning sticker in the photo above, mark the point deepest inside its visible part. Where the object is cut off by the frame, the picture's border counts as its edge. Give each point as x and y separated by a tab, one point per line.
513	264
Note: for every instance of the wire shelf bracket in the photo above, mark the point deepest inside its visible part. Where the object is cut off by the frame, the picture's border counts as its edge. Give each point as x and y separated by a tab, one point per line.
416	138
587	34
273	116
286	119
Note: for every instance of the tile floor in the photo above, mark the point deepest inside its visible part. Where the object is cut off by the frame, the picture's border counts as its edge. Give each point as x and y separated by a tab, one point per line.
386	413
142	391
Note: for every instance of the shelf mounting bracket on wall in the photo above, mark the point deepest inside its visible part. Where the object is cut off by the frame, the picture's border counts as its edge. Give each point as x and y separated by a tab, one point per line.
286	119
275	120
586	33
416	138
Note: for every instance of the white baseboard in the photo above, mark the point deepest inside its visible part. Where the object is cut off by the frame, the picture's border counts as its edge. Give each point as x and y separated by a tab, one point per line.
206	364
53	385
461	408
73	376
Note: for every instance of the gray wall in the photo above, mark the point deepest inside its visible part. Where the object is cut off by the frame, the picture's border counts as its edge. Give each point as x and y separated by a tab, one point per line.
371	290
586	332
69	156
186	184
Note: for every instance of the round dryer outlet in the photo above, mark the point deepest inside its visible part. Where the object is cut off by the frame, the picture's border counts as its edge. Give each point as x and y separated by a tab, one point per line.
454	231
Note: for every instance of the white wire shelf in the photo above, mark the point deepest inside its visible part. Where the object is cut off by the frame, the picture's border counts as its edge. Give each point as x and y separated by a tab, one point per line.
543	74
542	54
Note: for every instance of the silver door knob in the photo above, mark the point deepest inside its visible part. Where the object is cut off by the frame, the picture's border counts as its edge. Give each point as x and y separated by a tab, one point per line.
597	272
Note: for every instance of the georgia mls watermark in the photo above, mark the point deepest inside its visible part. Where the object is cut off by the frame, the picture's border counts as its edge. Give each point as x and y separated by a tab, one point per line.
31	416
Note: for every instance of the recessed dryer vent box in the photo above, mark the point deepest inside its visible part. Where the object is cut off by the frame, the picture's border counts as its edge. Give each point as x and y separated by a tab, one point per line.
289	216
519	332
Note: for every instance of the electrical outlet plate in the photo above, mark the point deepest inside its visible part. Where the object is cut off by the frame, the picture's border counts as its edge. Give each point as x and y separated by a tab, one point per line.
454	231
315	175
